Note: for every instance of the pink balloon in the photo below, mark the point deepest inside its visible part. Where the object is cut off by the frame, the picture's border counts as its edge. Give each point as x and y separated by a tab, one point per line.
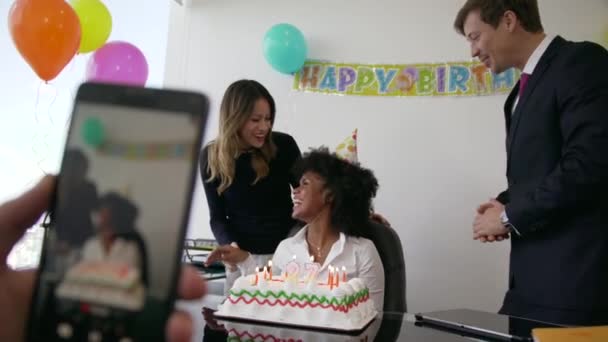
118	62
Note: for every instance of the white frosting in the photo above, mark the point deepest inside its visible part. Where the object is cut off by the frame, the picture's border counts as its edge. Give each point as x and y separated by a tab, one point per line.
329	314
240	331
103	283
357	284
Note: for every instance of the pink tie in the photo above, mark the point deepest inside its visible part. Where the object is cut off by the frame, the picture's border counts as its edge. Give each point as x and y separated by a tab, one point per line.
523	80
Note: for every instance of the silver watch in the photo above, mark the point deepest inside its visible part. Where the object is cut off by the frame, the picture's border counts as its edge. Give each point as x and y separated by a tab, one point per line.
505	221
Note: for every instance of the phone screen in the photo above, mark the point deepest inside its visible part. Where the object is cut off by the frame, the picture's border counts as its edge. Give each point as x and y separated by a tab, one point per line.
111	256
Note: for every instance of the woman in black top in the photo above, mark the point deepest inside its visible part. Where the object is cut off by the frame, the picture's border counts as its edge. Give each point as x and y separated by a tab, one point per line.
246	173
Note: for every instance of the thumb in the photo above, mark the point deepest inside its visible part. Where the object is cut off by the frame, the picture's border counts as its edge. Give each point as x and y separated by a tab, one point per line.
495	202
22	212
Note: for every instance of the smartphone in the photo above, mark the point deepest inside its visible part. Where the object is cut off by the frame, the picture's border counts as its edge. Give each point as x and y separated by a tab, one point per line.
112	252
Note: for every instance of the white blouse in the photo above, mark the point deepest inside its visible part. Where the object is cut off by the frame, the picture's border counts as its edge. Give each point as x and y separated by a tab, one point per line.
120	251
358	255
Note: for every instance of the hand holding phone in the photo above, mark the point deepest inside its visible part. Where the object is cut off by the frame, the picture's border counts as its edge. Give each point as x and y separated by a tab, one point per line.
111	256
18	285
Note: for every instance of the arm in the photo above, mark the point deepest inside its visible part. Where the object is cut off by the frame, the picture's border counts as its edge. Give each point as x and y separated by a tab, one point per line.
503	197
581	176
371	272
281	256
90	250
217	210
248	265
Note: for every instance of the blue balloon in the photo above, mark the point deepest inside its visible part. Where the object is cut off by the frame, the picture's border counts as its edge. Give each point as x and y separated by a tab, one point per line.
285	48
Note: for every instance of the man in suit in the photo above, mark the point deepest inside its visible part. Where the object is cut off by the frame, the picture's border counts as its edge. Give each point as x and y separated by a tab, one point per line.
555	208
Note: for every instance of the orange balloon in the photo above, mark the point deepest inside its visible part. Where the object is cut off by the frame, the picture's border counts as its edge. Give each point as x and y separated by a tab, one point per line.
46	33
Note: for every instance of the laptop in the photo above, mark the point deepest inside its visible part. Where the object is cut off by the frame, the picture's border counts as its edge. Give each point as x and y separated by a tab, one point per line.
482	324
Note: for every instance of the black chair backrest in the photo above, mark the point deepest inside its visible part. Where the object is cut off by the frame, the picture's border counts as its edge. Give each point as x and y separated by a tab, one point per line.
390	249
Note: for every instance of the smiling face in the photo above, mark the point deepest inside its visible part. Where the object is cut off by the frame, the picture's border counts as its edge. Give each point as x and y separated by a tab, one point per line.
492	46
310	197
102	219
255	130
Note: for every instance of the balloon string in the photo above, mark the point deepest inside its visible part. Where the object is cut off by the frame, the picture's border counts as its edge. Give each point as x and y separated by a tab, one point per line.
47	132
37	102
36	138
53	99
41	145
36	151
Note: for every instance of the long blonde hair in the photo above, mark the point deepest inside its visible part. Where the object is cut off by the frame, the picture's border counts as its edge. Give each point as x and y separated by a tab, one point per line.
236	108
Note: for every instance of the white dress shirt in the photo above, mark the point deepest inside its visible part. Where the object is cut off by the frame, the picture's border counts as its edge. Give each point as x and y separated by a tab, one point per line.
121	251
358	255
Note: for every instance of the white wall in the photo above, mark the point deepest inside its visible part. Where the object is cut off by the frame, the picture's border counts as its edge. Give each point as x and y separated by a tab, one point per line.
435	158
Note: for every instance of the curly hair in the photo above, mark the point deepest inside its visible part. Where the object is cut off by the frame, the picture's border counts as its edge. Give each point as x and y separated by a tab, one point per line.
123	216
350	186
124	212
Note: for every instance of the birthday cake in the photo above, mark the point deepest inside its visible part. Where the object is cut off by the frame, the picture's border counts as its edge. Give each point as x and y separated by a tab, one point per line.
342	305
106	283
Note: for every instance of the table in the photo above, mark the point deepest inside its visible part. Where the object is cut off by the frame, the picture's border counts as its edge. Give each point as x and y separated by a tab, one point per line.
389	326
220	274
196	255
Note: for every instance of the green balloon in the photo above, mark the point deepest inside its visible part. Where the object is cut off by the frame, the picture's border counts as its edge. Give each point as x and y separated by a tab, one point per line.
93	132
285	48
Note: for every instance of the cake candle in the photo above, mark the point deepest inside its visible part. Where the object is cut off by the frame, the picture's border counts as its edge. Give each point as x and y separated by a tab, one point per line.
337	275
270	269
312	269
344	274
255	279
292	269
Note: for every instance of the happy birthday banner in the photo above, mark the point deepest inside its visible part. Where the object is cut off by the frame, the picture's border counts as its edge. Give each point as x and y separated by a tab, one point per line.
147	151
430	79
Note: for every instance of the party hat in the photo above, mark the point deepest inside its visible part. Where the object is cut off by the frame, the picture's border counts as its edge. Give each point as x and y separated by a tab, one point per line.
347	150
125	191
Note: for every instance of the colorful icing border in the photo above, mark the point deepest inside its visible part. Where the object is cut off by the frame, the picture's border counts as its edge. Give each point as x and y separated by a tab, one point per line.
303	300
240	335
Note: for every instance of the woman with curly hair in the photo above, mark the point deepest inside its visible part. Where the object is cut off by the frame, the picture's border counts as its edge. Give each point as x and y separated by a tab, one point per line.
334	199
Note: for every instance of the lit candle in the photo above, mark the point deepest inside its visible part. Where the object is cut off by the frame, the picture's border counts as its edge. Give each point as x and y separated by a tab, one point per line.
255	279
312	269
344	274
265	273
270	269
330	278
337	275
292	269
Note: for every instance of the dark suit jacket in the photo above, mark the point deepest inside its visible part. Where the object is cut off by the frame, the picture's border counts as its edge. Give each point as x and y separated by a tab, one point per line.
557	198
